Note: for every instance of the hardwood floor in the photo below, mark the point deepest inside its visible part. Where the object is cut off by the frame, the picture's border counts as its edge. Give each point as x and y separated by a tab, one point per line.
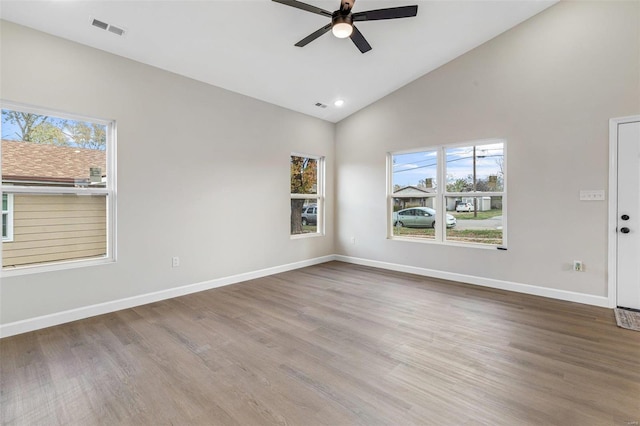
332	344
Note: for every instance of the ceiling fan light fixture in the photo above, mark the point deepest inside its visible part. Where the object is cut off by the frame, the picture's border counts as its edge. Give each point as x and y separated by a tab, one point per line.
342	30
342	25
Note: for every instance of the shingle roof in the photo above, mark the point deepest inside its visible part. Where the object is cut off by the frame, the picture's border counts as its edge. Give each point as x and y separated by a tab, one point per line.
23	161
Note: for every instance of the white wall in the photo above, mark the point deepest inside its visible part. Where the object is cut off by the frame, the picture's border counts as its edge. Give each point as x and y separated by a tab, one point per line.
188	151
203	174
549	86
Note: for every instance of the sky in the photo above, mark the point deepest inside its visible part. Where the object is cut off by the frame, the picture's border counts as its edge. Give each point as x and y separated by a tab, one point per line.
11	131
410	168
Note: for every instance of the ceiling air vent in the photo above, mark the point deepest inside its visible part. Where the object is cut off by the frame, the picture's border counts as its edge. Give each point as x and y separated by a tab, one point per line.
115	30
320	105
99	24
108	27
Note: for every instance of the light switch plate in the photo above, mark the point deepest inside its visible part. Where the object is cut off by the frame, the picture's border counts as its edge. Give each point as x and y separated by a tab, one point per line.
592	195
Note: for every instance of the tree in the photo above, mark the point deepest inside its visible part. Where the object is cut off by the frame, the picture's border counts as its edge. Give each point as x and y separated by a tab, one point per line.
43	129
304	179
461	185
47	133
26	122
87	135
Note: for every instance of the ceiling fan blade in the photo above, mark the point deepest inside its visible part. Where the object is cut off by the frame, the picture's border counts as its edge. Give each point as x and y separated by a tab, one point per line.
304	6
346	5
308	39
359	40
389	13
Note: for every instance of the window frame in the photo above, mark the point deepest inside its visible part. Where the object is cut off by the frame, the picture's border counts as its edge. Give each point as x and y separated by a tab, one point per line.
319	196
441	194
9	213
108	191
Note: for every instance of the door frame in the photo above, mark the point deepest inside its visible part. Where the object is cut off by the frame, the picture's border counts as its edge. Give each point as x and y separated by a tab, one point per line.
612	273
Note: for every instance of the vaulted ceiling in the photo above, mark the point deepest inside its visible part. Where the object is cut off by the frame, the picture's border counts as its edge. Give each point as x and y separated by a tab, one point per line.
247	46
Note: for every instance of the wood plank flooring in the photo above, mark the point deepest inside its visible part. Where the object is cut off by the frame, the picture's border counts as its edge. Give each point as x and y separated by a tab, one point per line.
332	344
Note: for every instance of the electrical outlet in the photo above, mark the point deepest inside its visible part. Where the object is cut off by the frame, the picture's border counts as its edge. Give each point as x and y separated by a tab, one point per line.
353	240
175	261
578	266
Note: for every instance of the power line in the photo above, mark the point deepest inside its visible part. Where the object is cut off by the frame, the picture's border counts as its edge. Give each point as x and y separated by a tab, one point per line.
466	152
448	161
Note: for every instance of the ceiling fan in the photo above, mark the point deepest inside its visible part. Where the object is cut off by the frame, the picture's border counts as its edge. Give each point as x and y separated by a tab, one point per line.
342	20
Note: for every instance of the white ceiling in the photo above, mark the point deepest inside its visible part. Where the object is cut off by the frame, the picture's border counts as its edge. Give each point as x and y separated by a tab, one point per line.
247	46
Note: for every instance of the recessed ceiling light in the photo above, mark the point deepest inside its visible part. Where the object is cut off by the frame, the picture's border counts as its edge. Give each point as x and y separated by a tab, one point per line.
339	103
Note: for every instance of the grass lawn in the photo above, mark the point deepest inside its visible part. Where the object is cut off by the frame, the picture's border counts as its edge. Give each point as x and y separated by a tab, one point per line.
483	236
414	232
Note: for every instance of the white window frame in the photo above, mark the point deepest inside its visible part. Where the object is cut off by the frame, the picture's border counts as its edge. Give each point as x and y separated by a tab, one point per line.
109	191
441	194
9	212
318	196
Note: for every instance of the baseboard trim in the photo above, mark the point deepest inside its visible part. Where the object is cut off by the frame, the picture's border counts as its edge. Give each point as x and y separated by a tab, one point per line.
568	296
37	323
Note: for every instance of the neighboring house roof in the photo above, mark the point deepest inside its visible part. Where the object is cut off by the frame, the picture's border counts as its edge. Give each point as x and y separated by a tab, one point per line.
24	161
409	191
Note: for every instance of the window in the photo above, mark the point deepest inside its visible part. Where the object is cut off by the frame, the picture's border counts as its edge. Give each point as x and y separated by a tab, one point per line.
7	217
58	189
307	194
468	208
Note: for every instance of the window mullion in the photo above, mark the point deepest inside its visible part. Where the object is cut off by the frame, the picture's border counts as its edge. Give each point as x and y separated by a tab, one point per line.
441	206
304	196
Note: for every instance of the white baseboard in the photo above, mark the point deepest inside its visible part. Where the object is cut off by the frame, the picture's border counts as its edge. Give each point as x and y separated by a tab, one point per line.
45	321
552	293
31	324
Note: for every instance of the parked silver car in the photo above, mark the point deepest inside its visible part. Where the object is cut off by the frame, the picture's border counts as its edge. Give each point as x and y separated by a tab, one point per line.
419	217
310	214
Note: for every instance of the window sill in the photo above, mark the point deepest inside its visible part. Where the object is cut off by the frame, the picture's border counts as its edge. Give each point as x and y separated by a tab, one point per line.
450	243
50	267
307	235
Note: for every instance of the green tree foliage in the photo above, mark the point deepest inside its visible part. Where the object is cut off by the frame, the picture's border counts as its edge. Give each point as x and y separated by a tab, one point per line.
87	135
461	185
304	180
43	129
487	184
47	133
26	123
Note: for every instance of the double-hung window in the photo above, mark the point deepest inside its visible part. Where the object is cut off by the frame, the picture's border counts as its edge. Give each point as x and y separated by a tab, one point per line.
449	194
307	194
58	189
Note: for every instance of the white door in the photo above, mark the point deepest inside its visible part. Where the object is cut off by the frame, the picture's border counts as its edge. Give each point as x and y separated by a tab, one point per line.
628	215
